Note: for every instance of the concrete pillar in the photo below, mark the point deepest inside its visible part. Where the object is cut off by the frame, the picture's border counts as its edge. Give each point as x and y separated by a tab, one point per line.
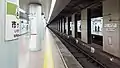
85	26
37	27
63	25
60	24
66	25
73	25
69	25
84	37
111	27
57	25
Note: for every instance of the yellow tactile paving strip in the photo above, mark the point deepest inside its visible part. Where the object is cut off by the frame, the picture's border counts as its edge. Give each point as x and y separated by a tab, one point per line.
48	58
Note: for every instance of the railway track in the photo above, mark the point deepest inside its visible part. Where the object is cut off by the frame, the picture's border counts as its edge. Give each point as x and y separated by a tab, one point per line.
82	52
83	58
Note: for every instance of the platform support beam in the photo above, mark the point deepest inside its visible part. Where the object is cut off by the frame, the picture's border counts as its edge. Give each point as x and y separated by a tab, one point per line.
76	26
69	20
62	25
58	25
86	26
66	25
73	25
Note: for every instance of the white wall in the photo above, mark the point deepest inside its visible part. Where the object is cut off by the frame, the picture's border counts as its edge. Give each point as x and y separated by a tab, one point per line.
8	50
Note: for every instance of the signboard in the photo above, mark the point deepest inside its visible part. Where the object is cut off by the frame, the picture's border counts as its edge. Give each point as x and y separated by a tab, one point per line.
12	25
96	25
110	27
71	23
79	26
23	26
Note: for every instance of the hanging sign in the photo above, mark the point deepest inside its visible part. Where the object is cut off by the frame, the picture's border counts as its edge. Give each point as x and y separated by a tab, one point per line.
12	24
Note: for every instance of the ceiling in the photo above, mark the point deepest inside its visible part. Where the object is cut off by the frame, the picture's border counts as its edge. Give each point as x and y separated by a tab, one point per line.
75	6
46	4
63	8
24	4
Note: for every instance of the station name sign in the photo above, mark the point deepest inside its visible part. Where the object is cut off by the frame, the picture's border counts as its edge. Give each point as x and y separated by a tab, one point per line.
110	26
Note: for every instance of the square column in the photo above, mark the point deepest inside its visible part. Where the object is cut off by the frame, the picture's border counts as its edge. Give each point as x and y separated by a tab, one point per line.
69	19
57	25
86	26
76	26
60	25
66	25
73	25
111	27
63	25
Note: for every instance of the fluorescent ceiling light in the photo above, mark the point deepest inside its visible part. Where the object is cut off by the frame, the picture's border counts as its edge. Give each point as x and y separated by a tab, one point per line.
51	9
21	10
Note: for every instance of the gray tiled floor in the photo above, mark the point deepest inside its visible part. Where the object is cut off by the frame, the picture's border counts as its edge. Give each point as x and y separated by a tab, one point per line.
28	59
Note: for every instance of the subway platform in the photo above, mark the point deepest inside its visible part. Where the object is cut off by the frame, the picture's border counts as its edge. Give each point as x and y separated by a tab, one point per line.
53	54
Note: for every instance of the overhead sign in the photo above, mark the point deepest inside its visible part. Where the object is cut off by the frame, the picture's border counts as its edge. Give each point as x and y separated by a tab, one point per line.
12	25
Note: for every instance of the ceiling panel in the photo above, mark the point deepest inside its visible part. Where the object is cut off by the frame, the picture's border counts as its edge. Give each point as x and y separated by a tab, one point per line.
59	6
46	4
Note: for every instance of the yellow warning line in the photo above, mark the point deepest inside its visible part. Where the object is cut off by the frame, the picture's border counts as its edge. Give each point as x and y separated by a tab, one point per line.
48	58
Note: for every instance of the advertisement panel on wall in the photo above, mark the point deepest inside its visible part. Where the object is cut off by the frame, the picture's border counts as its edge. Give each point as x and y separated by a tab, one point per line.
23	26
79	26
97	25
12	24
71	24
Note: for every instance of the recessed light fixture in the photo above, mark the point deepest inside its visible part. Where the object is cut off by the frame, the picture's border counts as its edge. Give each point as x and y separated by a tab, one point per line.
51	9
21	10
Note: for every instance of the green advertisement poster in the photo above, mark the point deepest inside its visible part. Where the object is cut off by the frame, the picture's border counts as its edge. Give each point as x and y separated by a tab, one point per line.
11	8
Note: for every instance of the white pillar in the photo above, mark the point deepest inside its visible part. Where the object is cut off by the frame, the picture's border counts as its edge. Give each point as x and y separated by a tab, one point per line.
66	25
36	27
63	25
60	25
73	25
84	30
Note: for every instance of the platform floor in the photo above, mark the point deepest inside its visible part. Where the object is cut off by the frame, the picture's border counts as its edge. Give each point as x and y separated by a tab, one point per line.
47	57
